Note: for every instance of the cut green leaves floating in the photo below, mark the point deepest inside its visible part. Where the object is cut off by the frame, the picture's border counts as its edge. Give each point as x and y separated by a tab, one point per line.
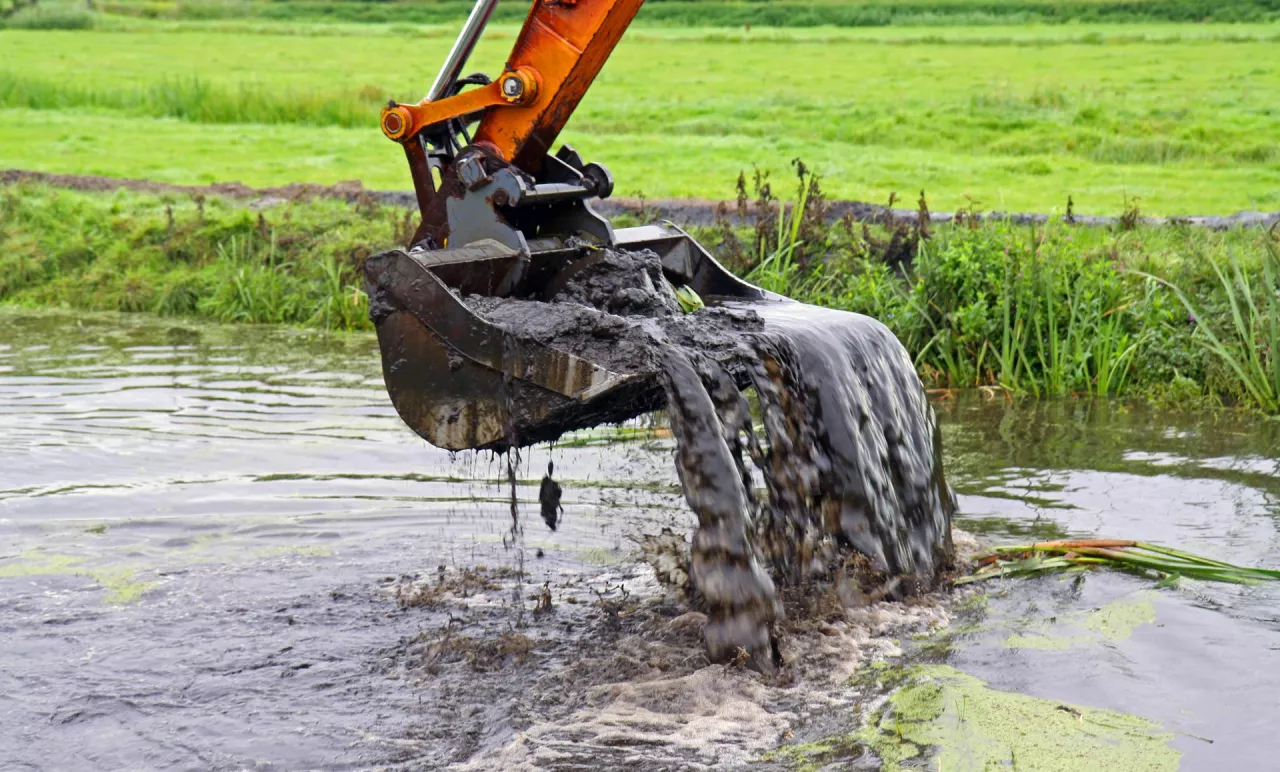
1163	563
689	300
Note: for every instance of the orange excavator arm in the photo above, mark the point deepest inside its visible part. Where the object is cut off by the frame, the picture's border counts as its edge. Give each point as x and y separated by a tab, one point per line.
560	50
565	44
504	217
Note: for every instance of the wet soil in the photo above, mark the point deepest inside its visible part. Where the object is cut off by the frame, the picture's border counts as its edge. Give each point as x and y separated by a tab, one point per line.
683	211
621	314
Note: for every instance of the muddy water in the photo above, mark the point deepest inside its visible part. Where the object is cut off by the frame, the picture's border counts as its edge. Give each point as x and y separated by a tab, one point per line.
196	529
204	532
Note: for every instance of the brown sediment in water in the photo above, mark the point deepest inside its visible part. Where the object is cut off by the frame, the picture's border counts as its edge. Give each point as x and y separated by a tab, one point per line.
849	450
615	675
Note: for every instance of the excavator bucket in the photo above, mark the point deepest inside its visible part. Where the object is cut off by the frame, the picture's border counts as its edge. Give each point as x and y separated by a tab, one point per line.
462	381
502	217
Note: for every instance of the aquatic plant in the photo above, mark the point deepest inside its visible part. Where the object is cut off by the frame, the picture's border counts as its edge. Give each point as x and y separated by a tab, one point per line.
1163	563
1250	343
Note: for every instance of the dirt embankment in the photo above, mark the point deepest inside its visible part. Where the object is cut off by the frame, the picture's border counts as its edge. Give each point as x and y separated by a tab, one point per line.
684	211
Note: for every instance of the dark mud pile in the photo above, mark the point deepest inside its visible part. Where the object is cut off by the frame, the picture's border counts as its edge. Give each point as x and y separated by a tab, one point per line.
618	311
848	449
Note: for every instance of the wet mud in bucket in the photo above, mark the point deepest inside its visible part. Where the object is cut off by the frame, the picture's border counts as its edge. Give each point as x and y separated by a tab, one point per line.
848	452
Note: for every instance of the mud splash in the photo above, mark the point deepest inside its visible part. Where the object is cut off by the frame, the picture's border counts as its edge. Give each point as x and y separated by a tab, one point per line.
613	675
849	450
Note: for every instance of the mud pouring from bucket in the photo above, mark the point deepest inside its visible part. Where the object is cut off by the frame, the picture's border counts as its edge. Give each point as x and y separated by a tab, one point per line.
519	313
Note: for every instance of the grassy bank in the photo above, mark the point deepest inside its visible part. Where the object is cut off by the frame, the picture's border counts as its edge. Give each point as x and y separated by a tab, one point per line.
1174	314
1017	118
295	264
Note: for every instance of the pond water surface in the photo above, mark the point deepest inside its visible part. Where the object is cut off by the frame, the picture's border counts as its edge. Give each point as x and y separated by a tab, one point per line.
202	530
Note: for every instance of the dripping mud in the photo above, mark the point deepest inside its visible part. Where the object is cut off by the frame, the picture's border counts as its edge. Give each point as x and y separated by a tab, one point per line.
847	449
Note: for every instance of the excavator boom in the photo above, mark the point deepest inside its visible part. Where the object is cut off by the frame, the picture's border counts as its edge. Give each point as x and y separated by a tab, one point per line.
566	44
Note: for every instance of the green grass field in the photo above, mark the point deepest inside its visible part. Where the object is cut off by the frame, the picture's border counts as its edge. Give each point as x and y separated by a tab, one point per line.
1182	117
734	13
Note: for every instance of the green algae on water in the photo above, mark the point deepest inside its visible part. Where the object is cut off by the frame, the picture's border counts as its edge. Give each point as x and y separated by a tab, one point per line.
816	755
958	723
1116	621
120	583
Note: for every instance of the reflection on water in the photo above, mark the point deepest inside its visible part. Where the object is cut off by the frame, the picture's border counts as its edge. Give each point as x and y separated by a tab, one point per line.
194	522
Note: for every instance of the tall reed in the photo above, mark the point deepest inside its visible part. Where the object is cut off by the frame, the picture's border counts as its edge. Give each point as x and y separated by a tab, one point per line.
1248	343
777	270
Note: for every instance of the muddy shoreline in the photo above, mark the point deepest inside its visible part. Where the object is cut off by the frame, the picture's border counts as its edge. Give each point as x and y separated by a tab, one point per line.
683	211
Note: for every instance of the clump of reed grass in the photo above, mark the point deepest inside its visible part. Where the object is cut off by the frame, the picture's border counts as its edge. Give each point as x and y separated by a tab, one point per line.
1151	560
1050	310
1247	342
779	255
